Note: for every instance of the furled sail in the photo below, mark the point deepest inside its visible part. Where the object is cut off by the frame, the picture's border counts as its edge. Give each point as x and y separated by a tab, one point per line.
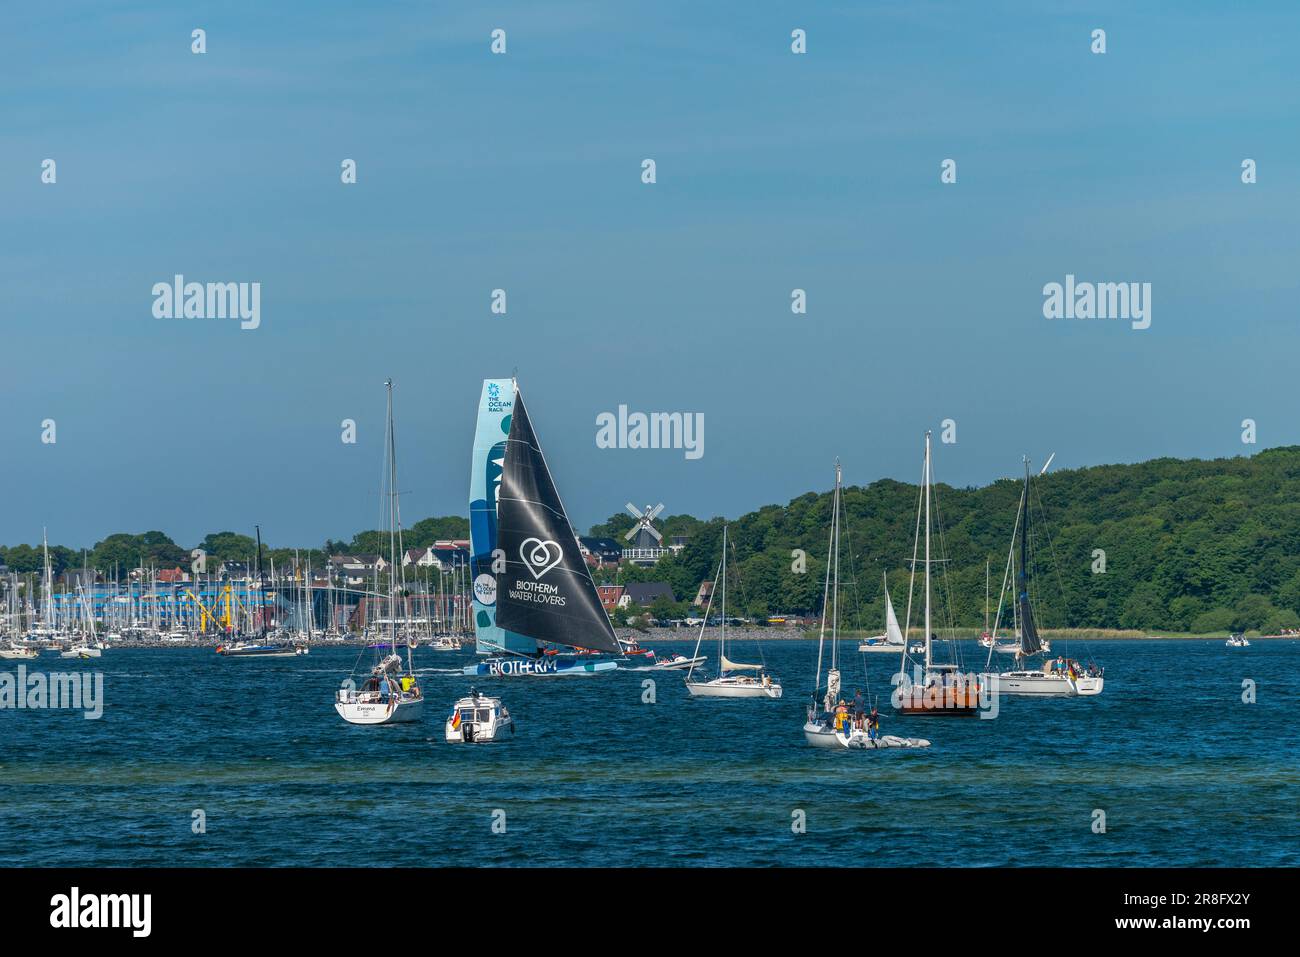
495	405
728	665
546	590
1029	643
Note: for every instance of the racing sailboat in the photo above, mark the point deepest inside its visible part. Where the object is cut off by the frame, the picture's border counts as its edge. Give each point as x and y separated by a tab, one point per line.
531	583
730	682
1059	677
387	695
834	727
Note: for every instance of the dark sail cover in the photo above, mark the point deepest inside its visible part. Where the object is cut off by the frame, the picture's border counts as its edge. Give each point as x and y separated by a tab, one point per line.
1029	643
546	591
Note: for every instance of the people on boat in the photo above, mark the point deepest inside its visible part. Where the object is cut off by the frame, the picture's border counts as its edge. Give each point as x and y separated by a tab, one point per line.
859	707
841	714
873	724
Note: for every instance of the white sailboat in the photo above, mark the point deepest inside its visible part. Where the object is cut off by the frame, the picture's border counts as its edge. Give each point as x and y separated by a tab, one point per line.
730	682
892	640
833	726
1058	677
387	695
88	647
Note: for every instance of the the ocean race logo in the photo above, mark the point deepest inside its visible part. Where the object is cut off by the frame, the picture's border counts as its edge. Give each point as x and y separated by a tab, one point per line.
75	909
38	691
539	556
651	430
179	299
485	590
1129	301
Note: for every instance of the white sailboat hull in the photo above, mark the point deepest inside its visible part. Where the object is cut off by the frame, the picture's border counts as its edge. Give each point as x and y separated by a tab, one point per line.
393	711
14	654
880	647
733	688
1037	684
821	736
84	651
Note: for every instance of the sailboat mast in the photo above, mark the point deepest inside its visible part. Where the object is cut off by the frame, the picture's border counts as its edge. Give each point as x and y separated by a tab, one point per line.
928	656
392	522
722	635
835	591
826	589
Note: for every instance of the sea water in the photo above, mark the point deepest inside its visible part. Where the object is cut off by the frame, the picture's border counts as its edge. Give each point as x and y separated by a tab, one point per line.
206	761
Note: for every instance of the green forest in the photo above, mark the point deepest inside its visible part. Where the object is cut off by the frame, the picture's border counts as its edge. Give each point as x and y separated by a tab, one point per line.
1189	546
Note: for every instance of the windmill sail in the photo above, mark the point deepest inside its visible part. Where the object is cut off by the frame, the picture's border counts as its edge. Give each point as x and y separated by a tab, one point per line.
1029	643
495	405
545	591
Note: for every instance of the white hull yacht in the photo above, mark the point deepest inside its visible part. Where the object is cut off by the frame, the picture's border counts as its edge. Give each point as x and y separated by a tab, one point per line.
730	682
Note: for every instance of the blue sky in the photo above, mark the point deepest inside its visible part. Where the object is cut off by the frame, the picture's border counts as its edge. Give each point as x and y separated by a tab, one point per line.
522	171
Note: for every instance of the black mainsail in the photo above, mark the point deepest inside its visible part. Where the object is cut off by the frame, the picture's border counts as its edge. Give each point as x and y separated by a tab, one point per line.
1029	643
545	591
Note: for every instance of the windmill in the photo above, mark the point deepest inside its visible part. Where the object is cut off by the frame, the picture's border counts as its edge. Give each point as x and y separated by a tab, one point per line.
645	524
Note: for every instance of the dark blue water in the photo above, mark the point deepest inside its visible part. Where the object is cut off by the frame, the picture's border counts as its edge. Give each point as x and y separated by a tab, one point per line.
1186	773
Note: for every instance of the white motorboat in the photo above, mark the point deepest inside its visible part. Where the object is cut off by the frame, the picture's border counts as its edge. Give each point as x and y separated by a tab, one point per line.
729	683
478	719
678	662
16	652
1237	641
253	649
445	643
82	651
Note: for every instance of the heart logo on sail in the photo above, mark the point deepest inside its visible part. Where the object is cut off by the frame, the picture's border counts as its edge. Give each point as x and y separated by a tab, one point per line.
540	556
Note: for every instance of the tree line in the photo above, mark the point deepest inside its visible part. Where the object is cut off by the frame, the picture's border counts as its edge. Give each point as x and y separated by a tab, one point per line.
1180	545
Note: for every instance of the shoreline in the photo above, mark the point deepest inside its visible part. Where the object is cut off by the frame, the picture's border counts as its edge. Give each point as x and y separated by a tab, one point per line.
688	635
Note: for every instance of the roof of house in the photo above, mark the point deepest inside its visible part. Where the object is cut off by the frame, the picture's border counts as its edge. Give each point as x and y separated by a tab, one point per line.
600	544
645	592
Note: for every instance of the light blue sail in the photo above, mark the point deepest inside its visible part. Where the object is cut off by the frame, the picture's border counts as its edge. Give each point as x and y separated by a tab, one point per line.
494	410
